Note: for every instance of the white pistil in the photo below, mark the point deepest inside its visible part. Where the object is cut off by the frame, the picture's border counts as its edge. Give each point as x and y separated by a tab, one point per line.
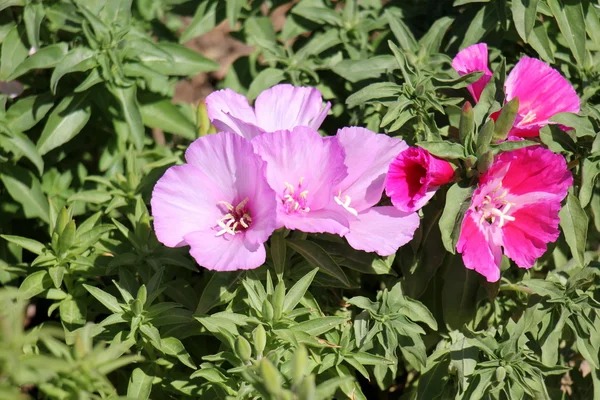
345	203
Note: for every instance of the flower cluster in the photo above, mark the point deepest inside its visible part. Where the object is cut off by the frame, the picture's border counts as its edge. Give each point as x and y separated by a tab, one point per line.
269	168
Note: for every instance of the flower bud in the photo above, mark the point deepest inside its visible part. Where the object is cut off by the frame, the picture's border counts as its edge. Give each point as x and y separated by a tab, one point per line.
267	311
260	340
242	349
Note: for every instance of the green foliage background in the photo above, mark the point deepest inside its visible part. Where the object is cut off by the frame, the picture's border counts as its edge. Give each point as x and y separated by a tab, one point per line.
93	307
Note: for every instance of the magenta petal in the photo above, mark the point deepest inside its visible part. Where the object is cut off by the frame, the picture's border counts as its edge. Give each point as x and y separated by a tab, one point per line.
184	200
413	178
471	59
525	239
221	254
382	230
285	107
531	169
230	112
478	250
368	157
542	91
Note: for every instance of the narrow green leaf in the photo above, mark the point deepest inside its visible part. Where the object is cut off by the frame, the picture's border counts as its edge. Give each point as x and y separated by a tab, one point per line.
318	326
14	51
108	300
78	59
319	258
25	189
524	14
444	149
173	347
127	98
574	223
295	294
35	284
32	245
46	57
506	119
65	121
571	22
140	385
458	200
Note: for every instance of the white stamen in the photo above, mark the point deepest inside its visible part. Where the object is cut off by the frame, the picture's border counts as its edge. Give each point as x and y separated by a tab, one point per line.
345	203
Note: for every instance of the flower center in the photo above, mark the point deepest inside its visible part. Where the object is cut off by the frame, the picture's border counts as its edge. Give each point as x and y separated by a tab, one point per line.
294	199
495	207
236	220
527	118
345	202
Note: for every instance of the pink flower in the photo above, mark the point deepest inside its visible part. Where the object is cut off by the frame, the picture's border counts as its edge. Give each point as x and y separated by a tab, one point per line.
542	91
368	156
515	207
474	58
12	89
282	107
303	168
219	204
414	177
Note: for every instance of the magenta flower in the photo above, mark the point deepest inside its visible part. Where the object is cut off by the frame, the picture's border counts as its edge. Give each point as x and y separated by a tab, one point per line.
282	107
474	58
414	177
542	91
515	207
303	168
368	156
219	204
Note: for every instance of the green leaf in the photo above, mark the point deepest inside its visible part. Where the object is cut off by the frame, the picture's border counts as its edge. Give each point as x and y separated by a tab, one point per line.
79	59
20	145
161	113
33	14
184	61
541	43
358	70
204	20
32	245
66	121
401	32
582	125
444	149
220	289
264	80
317	257
433	379
127	98
571	22
173	347
318	326
574	223
376	91
295	294
108	300
46	57
140	385
73	311
25	189
590	170
90	196
14	51
57	273
28	111
459	294
458	200
506	119
34	284
483	22
524	14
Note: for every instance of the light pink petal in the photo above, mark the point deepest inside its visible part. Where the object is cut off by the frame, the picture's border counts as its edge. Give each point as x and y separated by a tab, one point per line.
368	157
285	107
479	252
230	112
302	155
471	59
230	161
184	200
382	230
542	91
531	169
324	220
525	239
220	254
